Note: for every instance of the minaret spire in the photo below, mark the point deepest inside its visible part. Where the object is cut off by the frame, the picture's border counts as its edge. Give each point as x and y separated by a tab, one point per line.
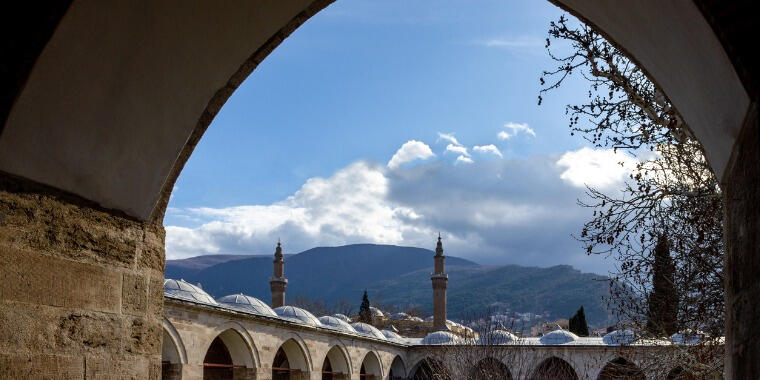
278	282
440	280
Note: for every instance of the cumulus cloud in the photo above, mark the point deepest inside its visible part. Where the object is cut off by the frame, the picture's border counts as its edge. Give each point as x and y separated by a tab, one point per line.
599	168
512	129
464	160
491	211
458	149
488	149
448	137
410	151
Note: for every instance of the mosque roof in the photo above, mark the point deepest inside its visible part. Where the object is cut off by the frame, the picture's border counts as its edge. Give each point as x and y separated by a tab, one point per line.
399	317
247	303
376	312
332	322
558	337
342	317
297	315
497	337
184	290
440	337
619	337
368	330
391	335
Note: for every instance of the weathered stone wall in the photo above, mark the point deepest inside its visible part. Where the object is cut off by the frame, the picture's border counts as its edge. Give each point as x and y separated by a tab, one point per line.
81	294
742	236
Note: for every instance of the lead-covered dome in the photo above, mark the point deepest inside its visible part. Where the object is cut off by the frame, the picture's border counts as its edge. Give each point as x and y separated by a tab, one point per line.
440	337
297	315
400	317
619	337
368	330
558	337
247	303
342	317
183	290
392	336
332	322
497	337
377	313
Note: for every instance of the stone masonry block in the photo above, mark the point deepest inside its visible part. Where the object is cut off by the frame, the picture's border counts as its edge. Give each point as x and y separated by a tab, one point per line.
35	366
134	294
40	279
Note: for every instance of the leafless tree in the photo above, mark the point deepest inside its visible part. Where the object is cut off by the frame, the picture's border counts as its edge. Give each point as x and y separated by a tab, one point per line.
671	190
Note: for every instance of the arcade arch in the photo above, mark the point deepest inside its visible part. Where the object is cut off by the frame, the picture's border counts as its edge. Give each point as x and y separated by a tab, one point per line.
371	369
620	368
490	369
289	361
554	368
429	369
397	370
336	365
228	357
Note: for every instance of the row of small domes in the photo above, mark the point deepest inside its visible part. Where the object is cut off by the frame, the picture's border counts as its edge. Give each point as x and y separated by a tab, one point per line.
184	290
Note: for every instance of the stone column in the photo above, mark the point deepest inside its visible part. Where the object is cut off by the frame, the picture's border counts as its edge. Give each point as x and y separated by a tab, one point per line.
741	189
81	288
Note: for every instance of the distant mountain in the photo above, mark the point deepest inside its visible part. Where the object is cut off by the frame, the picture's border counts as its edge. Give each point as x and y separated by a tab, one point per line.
401	276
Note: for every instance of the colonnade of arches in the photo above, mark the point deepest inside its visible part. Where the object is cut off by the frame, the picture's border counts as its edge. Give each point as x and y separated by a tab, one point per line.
231	355
551	368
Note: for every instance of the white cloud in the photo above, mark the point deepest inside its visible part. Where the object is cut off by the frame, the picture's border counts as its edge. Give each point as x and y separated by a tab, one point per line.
491	211
448	137
349	207
514	129
513	42
458	149
464	159
598	168
488	149
410	151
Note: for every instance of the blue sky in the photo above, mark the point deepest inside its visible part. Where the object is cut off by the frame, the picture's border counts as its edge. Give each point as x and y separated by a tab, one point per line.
303	149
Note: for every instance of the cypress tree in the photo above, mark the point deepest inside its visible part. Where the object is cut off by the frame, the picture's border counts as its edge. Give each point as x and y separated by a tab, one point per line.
662	305
365	315
578	324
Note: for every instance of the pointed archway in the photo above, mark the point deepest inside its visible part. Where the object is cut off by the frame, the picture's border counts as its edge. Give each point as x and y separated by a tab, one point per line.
490	369
228	357
620	368
336	366
554	368
289	361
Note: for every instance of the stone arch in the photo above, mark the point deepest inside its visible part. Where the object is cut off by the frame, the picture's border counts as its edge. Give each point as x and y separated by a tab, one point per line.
490	369
428	368
291	357
397	369
176	345
554	368
370	367
621	368
228	356
252	359
339	362
173	354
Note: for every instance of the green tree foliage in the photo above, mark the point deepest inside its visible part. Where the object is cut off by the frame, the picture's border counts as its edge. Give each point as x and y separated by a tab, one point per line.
578	325
365	315
662	314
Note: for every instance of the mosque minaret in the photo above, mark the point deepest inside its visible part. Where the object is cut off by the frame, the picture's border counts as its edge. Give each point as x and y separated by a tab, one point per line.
278	282
440	279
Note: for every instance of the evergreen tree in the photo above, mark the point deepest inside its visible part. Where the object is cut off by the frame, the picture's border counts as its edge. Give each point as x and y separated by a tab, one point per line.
662	311
365	315
577	323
